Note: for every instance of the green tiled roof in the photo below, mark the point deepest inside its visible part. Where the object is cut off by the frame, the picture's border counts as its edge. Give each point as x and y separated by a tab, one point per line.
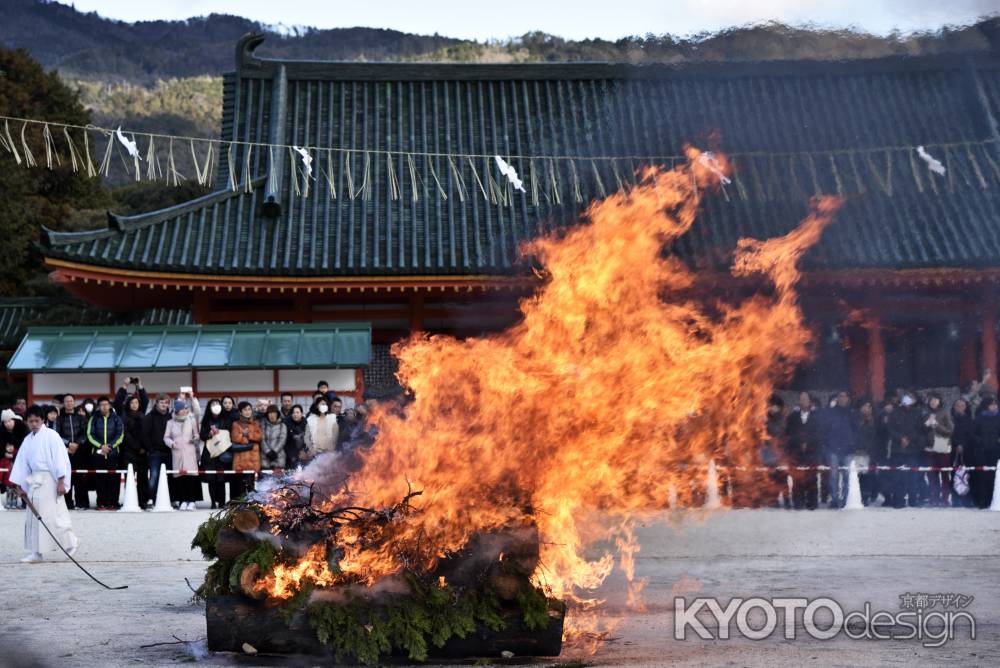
197	346
795	129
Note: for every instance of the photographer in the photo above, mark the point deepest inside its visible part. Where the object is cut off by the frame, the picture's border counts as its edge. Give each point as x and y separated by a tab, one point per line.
131	387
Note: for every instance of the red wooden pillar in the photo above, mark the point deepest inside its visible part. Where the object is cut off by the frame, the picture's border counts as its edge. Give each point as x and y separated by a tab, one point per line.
990	341
201	310
416	313
968	358
359	386
876	359
857	366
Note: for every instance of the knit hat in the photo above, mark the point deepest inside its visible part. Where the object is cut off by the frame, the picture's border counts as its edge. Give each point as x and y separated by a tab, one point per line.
179	405
8	414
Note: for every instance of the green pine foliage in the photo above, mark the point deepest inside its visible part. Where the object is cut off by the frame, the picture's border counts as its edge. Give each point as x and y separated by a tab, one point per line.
208	532
534	607
366	630
263	554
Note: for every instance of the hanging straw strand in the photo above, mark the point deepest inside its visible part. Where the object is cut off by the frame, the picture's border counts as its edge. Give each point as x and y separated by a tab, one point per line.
9	143
91	172
50	147
479	182
434	176
151	163
105	167
391	174
29	159
74	159
459	181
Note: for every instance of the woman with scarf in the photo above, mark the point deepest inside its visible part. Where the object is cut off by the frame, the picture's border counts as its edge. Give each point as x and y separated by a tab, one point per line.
321	430
217	455
181	437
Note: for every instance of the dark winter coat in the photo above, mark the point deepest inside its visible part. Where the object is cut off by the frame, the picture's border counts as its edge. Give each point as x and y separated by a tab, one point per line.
14	436
296	442
803	438
869	440
154	426
907	434
134	445
986	444
964	432
838	431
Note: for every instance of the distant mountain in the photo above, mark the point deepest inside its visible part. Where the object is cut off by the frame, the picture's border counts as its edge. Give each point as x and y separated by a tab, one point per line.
92	46
88	46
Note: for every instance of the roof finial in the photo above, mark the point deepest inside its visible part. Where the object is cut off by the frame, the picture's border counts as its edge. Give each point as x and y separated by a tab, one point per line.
245	47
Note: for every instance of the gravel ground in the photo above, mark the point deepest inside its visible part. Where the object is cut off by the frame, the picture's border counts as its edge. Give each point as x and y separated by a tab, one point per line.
54	615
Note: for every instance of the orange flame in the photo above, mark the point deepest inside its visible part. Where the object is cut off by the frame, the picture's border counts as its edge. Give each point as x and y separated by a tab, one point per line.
616	383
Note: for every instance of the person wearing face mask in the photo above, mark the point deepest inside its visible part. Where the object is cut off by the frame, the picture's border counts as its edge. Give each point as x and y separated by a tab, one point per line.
88	406
321	430
906	441
217	454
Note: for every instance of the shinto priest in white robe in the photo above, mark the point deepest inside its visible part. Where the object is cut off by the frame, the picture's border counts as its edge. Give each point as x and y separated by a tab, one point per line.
40	462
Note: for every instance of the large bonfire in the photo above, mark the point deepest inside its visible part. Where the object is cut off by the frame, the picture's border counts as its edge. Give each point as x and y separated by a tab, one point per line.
618	384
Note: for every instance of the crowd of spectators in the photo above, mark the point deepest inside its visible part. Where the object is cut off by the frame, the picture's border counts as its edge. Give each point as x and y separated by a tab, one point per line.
906	430
109	433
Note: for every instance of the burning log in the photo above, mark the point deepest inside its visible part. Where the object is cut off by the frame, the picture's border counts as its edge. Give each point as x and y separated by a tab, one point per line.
278	584
246	521
231	543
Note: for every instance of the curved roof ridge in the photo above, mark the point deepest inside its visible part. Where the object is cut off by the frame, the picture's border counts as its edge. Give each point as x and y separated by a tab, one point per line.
248	63
118	224
140	220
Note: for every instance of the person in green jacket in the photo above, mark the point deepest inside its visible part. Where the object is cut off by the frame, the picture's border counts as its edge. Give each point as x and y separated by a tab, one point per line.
105	432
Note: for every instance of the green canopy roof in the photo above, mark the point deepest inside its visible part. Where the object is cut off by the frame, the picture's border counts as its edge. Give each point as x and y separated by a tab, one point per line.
193	346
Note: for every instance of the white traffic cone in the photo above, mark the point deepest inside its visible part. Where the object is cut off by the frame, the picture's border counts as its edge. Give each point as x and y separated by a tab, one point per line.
853	501
163	493
995	504
712	500
131	494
